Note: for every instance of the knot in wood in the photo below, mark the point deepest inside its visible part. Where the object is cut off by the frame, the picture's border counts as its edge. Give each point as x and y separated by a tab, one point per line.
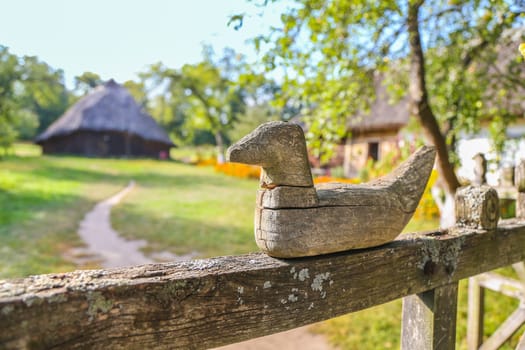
429	268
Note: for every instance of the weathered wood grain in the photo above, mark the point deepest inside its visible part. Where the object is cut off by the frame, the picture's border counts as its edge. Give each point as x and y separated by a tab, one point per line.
313	231
335	217
295	219
505	331
282	197
475	316
429	319
206	303
477	207
502	284
280	149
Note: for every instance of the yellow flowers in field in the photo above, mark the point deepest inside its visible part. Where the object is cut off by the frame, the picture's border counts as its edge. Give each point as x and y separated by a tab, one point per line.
323	179
427	208
211	161
232	169
239	170
522	49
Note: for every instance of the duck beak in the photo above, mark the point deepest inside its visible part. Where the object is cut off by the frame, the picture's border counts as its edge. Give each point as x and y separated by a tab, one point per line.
234	154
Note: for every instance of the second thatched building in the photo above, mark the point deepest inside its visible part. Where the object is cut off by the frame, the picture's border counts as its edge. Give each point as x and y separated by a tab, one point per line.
106	123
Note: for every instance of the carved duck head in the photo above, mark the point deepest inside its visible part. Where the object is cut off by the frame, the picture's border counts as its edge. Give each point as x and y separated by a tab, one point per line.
280	149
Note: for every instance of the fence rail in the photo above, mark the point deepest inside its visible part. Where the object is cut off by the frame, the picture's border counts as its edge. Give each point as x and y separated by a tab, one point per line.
205	303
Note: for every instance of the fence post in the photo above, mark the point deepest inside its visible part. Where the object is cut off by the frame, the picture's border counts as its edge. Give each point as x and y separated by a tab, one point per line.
429	319
476	302
477	207
519	180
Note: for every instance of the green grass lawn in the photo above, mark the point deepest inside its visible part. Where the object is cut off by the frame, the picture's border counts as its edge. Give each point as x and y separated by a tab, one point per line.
42	200
189	209
175	207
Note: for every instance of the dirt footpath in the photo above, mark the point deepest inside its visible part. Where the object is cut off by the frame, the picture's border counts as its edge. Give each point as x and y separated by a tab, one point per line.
107	248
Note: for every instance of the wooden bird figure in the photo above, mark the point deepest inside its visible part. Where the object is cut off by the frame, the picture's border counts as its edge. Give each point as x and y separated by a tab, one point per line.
294	218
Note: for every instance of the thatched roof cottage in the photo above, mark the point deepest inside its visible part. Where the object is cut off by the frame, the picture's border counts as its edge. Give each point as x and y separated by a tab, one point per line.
106	123
376	133
368	135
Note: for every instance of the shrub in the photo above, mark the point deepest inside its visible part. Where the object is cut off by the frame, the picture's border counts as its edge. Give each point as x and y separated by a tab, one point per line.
427	208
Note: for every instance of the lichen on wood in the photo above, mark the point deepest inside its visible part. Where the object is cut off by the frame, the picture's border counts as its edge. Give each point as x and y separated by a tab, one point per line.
477	207
174	305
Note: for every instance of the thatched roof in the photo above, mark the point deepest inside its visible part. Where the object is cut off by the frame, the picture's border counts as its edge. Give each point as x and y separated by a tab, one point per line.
386	116
110	107
383	115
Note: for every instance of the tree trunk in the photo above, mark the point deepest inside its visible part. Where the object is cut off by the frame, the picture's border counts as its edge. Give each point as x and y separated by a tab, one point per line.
420	106
220	147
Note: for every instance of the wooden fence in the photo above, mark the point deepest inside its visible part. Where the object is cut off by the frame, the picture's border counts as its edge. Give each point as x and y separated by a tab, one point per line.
206	303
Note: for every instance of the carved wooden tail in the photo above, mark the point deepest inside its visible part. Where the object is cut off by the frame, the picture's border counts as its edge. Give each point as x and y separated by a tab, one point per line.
410	178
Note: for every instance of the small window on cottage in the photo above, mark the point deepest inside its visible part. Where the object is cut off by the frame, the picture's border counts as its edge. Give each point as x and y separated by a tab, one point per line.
373	150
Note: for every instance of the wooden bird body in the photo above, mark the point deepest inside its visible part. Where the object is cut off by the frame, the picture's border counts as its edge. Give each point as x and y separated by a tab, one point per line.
294	218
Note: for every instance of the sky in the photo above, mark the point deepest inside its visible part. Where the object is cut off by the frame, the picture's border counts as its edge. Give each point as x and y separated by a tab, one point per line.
118	38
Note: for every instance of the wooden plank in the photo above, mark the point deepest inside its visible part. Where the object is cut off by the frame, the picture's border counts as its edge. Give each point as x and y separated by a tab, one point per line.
501	284
429	319
176	305
505	331
476	303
